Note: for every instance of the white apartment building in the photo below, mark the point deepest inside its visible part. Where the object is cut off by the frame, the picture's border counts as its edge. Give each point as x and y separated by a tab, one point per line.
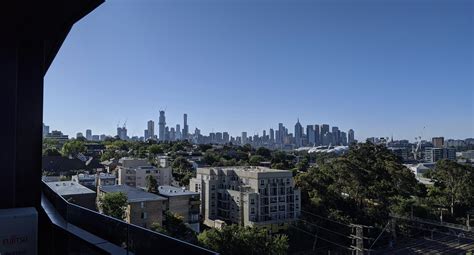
94	180
133	172
248	196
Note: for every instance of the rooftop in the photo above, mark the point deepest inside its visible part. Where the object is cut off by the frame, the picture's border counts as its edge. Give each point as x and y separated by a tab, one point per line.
171	191
252	169
133	194
64	188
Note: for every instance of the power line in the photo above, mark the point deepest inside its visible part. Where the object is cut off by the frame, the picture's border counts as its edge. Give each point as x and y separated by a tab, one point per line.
332	231
326	218
309	233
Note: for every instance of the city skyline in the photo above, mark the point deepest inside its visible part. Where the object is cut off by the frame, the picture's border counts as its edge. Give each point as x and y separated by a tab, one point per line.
268	63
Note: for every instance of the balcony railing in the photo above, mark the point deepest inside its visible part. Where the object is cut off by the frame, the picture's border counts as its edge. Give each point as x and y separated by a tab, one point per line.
116	234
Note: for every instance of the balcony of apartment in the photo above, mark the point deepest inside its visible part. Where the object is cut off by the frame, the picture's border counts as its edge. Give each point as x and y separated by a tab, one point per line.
75	229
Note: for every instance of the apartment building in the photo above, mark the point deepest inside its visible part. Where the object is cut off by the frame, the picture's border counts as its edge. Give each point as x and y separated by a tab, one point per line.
143	208
93	180
74	193
184	203
133	172
248	196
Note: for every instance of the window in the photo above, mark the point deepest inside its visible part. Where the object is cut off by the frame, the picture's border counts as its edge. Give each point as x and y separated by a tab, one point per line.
252	210
213	187
262	182
142	205
143	215
252	201
147	171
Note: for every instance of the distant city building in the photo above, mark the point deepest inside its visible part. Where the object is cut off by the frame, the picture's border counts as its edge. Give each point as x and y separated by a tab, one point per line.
400	152
95	138
45	130
79	135
247	196
185	126
438	142
133	172
143	208
150	131
122	133
89	135
317	135
161	126
432	155
350	136
343	138
298	134
58	136
178	134
324	129
272	135
244	138
225	137
335	136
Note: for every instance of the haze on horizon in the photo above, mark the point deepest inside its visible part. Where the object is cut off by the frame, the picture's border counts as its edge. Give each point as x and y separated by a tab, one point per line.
381	68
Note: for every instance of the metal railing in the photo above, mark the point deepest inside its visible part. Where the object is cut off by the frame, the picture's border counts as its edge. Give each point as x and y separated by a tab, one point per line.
133	239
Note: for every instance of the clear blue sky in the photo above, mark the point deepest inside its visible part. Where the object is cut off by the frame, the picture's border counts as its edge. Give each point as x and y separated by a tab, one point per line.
379	67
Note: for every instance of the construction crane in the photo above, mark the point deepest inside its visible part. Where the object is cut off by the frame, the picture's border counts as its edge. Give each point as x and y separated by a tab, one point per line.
417	149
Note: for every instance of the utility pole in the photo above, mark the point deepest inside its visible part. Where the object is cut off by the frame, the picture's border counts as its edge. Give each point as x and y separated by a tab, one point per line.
359	239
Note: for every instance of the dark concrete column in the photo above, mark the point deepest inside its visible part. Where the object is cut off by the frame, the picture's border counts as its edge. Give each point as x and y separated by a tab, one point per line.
8	86
21	101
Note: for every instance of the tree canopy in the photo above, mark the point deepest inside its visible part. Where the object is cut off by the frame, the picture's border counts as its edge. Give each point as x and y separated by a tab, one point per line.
113	204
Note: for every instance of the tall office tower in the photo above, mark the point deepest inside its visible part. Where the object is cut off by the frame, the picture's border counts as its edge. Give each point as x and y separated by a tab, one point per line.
122	133
310	135
45	130
438	142
145	134
350	137
102	137
335	136
79	135
317	136
343	138
151	129
277	135
218	137
264	135
324	129
172	135
89	135
225	137
272	135
327	138
167	133
161	126
244	138
298	134
185	127
281	133
178	132
197	132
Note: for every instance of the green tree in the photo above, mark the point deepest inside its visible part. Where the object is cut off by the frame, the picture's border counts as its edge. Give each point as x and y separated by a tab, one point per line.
454	184
155	149
51	151
151	184
234	239
264	152
72	148
255	160
183	170
173	225
113	204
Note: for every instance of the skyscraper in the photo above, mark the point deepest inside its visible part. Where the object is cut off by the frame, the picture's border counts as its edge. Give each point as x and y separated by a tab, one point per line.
244	138
172	134
151	129
281	133
298	134
178	132
161	126
437	142
225	137
89	135
335	136
310	135
45	130
272	135
185	127
324	129
343	138
350	137
317	136
122	133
